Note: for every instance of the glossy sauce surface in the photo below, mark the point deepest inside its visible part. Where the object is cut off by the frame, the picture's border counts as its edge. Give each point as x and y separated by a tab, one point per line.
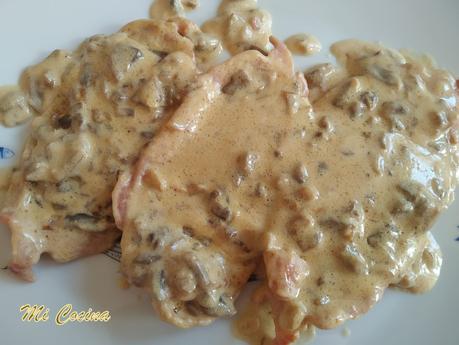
383	166
97	107
303	44
328	192
241	25
334	223
14	108
206	181
5	175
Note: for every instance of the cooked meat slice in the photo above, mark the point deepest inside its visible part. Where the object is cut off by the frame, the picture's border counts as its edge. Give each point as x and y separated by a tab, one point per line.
383	165
98	107
191	210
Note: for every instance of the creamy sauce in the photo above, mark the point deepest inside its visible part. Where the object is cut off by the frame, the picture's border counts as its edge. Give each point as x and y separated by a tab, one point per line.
14	108
326	193
164	9
255	323
205	202
5	174
98	106
241	25
206	48
373	208
334	224
303	44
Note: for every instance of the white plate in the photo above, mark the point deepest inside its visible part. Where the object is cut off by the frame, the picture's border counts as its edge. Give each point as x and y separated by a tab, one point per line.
30	29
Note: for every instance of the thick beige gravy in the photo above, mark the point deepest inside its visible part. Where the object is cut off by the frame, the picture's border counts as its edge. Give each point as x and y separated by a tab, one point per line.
332	202
303	44
383	165
14	108
206	183
337	199
5	175
97	107
241	25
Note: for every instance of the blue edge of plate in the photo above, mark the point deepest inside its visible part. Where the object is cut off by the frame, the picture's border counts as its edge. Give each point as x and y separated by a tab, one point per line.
6	153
